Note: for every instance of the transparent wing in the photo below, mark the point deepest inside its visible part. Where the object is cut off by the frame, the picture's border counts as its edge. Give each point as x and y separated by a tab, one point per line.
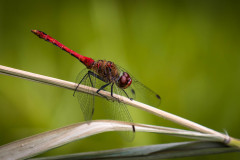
140	92
143	94
119	111
86	101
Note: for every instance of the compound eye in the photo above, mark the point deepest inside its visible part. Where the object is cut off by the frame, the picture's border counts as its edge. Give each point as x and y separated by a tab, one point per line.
124	81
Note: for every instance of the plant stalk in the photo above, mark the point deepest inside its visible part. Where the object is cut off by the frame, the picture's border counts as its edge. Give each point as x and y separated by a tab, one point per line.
89	90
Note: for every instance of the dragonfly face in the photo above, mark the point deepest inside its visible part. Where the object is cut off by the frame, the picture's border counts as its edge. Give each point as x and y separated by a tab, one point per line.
124	81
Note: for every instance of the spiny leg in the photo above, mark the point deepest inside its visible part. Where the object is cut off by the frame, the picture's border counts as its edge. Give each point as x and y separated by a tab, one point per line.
97	76
90	79
127	94
100	78
112	89
112	93
79	84
104	86
87	74
85	100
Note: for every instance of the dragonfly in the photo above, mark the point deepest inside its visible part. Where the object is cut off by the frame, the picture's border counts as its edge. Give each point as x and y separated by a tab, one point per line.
108	76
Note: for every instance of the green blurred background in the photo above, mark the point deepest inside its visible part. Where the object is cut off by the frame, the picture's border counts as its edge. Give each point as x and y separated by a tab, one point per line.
187	51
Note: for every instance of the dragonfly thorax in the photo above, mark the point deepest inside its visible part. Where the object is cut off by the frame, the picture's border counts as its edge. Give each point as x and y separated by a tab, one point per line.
107	70
109	73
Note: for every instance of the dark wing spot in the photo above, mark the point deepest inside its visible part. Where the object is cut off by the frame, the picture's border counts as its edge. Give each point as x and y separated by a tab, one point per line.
158	97
133	92
133	127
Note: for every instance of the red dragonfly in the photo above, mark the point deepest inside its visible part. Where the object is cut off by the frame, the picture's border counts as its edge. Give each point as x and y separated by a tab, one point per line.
105	75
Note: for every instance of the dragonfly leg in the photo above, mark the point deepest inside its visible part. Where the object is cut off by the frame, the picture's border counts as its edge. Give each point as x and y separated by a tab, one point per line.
112	89
127	94
112	93
117	99
88	74
90	79
95	75
79	84
88	111
102	88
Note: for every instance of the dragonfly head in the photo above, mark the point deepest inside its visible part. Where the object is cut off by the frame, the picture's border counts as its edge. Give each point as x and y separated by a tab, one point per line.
124	81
